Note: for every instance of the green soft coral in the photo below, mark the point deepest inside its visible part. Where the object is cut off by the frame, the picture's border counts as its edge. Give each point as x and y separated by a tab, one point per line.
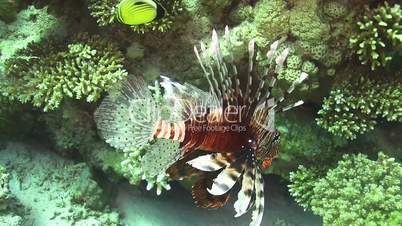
359	191
379	36
88	66
354	106
294	67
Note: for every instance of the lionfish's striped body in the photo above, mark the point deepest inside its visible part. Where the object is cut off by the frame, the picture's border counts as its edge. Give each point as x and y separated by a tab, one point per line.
233	124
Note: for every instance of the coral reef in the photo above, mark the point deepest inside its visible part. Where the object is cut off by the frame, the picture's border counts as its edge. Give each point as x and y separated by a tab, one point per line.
300	146
87	67
134	165
71	130
354	106
358	191
52	77
4	187
11	212
379	35
32	25
68	191
103	11
8	10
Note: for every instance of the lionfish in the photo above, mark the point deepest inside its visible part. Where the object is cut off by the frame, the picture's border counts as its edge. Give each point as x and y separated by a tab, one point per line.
231	127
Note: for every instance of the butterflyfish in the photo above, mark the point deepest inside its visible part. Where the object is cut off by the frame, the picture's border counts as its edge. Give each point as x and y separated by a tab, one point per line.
135	12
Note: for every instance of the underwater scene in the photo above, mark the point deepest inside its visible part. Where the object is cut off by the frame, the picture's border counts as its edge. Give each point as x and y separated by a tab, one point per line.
200	113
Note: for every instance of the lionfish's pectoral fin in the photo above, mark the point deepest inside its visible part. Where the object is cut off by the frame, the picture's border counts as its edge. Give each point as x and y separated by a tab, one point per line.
126	117
180	169
227	178
209	163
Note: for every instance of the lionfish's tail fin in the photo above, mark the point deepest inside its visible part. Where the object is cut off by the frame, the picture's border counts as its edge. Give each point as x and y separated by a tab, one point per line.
127	116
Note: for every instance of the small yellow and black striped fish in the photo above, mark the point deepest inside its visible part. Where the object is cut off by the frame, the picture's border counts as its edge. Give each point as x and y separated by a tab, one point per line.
135	12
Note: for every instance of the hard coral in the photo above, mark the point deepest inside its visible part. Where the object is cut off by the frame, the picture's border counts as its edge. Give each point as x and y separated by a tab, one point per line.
271	20
379	36
354	106
359	191
88	66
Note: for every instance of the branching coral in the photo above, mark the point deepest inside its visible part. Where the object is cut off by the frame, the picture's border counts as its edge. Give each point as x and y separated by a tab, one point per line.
359	191
354	106
103	11
89	66
379	36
